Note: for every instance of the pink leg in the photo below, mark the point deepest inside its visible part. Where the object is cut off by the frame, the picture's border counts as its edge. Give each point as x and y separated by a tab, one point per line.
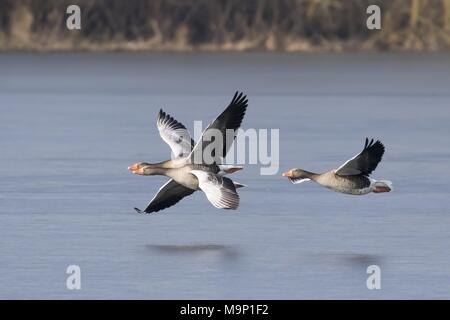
232	170
381	189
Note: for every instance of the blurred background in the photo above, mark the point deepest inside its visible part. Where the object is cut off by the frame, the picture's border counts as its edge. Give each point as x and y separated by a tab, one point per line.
285	25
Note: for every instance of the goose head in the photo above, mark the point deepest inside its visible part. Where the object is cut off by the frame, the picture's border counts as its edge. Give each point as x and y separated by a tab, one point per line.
295	174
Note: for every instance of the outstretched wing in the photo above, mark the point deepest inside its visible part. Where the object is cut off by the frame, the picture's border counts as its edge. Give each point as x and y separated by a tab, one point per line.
220	191
230	118
365	162
175	134
168	195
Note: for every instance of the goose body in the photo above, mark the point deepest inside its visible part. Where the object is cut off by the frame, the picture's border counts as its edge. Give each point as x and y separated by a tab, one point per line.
189	170
353	176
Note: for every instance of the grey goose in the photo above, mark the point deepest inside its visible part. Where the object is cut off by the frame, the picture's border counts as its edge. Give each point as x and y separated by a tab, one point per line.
353	176
189	173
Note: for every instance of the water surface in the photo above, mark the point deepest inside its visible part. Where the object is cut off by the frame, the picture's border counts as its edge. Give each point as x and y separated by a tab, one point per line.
71	124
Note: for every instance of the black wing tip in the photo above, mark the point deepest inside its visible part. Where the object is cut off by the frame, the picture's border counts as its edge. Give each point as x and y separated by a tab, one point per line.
146	211
167	118
368	143
372	143
239	98
379	144
375	151
228	183
239	104
231	208
161	115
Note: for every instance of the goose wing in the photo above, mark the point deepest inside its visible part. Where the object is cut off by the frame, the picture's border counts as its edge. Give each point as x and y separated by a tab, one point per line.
365	162
230	118
220	191
175	134
168	195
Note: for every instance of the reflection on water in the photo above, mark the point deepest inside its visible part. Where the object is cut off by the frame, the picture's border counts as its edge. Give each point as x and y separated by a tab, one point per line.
354	259
194	250
360	259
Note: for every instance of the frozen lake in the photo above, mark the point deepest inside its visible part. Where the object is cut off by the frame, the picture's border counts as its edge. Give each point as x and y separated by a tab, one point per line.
70	124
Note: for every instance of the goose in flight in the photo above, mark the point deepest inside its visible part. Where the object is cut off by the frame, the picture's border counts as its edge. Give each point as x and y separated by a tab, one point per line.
353	176
197	166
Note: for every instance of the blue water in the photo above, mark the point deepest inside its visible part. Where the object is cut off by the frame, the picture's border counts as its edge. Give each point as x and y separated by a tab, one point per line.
70	125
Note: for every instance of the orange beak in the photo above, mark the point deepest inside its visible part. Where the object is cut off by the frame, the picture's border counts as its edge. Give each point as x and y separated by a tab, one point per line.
287	174
134	167
139	171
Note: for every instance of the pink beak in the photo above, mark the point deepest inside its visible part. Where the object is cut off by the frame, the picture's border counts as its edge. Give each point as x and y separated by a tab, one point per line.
134	167
287	174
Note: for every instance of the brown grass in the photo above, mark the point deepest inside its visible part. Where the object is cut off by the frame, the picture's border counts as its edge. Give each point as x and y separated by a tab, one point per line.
284	25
